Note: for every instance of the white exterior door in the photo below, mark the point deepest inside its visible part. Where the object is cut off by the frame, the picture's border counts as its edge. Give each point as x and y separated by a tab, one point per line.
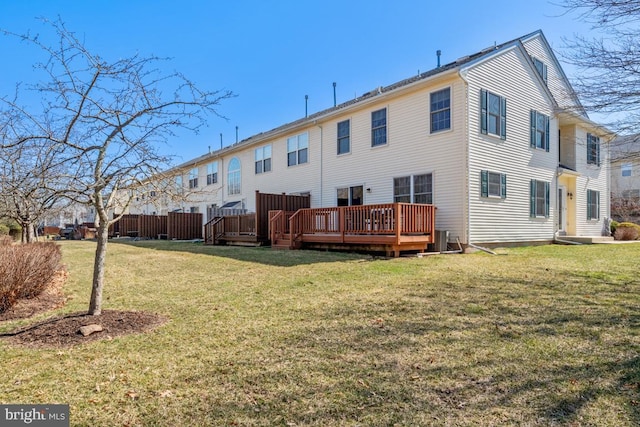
562	209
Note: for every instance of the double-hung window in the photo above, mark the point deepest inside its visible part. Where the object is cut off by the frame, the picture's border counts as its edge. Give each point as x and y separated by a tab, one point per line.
263	159
539	131
593	150
441	110
212	173
344	131
541	68
493	184
493	114
379	127
298	149
626	169
539	199
593	204
413	189
193	178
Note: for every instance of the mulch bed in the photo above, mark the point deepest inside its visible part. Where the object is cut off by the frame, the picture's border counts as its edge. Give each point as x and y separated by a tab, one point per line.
64	331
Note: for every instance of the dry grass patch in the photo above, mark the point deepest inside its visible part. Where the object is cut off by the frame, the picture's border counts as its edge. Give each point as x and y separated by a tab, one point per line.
535	336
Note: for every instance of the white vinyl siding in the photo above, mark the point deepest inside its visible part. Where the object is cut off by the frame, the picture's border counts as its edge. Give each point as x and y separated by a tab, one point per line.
509	220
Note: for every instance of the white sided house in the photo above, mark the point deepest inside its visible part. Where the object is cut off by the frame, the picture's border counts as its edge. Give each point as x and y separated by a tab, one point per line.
496	141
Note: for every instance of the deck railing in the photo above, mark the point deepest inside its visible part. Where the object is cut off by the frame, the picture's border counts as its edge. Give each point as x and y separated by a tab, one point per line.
391	219
228	226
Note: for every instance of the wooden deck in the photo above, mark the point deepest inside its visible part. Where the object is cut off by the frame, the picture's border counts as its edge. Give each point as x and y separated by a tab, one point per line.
395	227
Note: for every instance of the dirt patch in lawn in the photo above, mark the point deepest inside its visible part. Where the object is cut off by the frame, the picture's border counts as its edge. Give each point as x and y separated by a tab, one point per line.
64	331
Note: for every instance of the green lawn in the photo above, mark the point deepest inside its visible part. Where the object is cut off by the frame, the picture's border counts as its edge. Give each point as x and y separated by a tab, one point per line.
534	336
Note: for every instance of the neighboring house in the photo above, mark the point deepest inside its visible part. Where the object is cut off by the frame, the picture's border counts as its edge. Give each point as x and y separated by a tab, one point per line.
625	178
497	141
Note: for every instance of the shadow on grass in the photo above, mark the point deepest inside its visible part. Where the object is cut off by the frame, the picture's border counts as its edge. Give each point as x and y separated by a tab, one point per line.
262	254
381	364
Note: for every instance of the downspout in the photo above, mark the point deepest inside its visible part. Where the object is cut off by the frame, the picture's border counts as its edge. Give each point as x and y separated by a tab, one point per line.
463	75
321	162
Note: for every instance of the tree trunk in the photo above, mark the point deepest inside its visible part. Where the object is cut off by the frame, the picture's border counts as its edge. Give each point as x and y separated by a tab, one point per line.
102	236
28	234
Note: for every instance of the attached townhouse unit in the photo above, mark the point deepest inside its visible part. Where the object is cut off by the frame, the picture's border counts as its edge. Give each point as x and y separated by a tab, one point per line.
625	178
497	141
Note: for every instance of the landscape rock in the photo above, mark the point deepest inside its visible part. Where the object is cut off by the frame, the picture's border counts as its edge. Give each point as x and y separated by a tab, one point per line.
90	329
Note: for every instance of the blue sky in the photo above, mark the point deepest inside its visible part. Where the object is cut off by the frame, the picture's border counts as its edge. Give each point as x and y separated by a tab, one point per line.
273	53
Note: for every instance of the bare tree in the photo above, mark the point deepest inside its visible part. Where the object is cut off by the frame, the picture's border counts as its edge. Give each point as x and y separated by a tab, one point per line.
32	180
608	62
111	117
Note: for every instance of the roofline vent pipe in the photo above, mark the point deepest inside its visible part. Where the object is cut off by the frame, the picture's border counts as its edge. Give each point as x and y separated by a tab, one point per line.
334	94
438	53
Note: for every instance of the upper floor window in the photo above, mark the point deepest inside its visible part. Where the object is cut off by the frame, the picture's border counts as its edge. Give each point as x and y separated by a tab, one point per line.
344	131
179	185
539	194
233	176
263	159
626	169
441	110
593	204
298	149
212	173
593	149
541	67
493	184
539	130
413	189
193	178
379	127
493	117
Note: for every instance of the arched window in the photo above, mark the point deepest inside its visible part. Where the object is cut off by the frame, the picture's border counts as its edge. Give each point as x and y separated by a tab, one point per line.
233	176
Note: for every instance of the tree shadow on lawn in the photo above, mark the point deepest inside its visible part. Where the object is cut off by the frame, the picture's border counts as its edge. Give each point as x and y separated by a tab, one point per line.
262	254
363	364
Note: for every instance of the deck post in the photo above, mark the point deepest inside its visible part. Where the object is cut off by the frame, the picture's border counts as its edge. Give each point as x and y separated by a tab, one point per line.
341	222
399	219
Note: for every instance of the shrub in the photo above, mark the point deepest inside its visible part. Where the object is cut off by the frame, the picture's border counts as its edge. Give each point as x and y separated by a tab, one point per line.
9	226
6	240
627	231
26	270
613	227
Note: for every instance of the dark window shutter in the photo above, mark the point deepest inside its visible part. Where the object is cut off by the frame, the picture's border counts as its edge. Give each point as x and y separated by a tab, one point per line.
503	118
597	139
546	132
532	206
588	204
546	199
532	137
483	111
484	180
503	186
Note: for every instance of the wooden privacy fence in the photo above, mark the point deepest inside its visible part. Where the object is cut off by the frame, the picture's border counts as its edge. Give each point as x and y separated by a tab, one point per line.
251	227
184	226
266	202
175	225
